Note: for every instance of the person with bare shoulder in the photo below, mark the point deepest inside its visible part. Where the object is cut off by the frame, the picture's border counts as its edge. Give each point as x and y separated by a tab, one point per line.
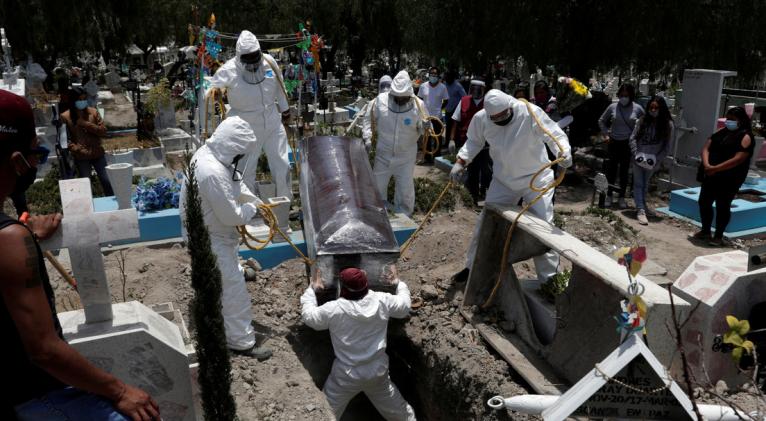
43	378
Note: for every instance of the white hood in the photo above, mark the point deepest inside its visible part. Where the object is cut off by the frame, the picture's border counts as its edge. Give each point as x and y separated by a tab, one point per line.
402	84
246	43
496	101
232	137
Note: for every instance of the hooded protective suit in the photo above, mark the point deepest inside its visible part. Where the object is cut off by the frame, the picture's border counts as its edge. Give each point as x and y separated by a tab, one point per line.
398	129
518	152
261	105
358	334
221	196
384	84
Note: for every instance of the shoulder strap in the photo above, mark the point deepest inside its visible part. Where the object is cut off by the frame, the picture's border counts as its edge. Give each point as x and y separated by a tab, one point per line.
6	221
278	75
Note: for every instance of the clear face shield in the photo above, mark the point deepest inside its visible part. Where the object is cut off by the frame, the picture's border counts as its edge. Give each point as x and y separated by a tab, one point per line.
399	104
476	91
253	70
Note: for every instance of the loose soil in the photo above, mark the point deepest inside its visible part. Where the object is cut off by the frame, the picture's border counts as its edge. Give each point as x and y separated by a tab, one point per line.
440	363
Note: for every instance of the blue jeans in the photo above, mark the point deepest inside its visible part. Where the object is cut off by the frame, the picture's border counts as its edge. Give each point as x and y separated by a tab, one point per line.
641	178
68	405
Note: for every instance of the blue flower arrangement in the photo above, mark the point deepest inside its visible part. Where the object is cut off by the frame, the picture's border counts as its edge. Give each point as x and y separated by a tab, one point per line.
157	194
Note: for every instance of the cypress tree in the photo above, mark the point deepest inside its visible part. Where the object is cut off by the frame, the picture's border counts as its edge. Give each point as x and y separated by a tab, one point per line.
209	335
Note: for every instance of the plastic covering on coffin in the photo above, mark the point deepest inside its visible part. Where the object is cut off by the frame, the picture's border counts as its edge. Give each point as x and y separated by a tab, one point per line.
345	222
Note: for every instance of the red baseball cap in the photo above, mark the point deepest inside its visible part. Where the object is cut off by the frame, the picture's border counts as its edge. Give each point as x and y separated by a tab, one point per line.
353	283
17	123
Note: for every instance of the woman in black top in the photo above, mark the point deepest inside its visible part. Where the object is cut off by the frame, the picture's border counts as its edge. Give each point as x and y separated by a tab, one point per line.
725	160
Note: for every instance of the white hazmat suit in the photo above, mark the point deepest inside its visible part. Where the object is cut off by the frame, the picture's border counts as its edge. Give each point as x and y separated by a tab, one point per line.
518	152
220	196
397	128
358	334
260	102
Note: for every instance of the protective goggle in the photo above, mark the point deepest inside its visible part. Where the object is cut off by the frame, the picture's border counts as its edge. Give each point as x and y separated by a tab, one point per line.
251	58
501	116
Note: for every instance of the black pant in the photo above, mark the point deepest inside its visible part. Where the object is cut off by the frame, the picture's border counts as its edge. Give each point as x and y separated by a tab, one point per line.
479	175
721	192
619	161
98	164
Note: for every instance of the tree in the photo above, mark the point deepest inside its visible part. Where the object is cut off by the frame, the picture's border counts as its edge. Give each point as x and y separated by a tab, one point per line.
209	335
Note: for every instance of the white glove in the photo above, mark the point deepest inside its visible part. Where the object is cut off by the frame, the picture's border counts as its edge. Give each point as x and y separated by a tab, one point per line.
451	147
567	162
368	145
457	172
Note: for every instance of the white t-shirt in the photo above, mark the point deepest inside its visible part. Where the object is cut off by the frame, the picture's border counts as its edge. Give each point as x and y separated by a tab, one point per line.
433	97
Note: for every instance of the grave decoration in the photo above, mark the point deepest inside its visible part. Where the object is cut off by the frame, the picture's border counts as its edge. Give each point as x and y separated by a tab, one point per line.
157	194
633	316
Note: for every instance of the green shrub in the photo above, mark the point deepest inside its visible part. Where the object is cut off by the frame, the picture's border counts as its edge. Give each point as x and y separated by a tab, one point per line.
209	335
44	197
427	191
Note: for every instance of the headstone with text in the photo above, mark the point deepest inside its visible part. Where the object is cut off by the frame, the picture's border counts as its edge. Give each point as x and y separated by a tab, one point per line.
629	384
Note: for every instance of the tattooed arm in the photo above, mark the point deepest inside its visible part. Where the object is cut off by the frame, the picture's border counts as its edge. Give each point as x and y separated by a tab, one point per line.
24	297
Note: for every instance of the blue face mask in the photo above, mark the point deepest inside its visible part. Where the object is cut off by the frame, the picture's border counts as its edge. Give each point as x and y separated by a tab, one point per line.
81	104
433	79
732	124
624	100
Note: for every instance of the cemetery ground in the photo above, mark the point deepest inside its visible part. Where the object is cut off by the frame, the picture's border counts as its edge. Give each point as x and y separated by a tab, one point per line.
438	360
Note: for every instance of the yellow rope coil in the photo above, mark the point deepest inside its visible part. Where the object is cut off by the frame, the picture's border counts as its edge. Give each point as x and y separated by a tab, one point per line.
271	220
429	132
541	192
216	95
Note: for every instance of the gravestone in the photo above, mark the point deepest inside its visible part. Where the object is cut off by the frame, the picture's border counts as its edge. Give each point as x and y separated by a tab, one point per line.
128	340
629	384
82	230
113	81
717	285
700	104
581	332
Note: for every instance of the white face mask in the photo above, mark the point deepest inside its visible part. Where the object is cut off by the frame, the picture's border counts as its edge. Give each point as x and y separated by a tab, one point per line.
624	100
654	113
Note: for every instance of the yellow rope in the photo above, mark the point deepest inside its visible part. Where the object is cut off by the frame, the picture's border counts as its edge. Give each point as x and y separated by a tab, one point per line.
429	132
409	241
271	220
541	192
216	94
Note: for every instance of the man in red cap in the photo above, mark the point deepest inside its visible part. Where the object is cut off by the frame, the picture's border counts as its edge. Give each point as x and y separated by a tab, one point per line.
358	322
39	365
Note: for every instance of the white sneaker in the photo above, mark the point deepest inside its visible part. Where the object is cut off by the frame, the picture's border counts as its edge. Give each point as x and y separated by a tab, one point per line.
642	217
622	203
608	201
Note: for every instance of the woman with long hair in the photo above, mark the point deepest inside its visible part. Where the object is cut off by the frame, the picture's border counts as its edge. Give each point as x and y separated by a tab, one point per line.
649	145
725	163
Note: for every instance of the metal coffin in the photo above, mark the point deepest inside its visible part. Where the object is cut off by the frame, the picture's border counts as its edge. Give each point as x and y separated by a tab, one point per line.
345	221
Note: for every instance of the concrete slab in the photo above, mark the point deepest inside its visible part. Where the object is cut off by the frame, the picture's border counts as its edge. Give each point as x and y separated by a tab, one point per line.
751	233
717	285
140	347
584	334
746	215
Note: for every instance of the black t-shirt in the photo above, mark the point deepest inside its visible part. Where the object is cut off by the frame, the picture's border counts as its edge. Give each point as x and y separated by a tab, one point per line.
724	144
22	380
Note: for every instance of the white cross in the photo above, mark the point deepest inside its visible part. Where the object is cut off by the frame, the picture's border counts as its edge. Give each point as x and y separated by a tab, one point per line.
82	232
